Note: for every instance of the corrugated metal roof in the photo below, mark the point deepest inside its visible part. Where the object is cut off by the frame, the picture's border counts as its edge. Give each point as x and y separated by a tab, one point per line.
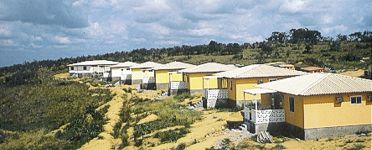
259	91
209	67
175	65
94	62
319	84
124	64
148	64
259	70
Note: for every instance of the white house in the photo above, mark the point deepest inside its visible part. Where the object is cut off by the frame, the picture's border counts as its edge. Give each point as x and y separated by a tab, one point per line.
122	72
95	68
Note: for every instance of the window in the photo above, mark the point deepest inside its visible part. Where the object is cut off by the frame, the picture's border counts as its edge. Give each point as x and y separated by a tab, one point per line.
128	69
72	68
259	81
143	71
356	99
85	68
151	70
291	104
231	84
273	79
122	69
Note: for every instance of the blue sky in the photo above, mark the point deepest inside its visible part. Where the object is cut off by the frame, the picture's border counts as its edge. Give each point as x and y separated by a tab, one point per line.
48	29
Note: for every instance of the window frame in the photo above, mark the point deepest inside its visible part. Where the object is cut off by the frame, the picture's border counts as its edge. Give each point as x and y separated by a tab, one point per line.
231	84
291	98
356	100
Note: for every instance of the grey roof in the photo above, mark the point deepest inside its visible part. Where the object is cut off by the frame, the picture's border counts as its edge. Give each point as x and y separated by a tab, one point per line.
209	67
259	70
94	62
319	84
148	64
124	64
174	66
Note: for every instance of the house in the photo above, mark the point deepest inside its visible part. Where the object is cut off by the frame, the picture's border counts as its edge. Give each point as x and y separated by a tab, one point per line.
143	74
312	69
248	77
164	73
312	106
122	72
193	77
282	65
95	68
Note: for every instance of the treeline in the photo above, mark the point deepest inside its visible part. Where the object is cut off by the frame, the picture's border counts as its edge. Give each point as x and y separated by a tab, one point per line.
28	72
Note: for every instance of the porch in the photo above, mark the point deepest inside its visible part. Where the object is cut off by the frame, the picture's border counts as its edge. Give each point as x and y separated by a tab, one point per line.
265	112
215	92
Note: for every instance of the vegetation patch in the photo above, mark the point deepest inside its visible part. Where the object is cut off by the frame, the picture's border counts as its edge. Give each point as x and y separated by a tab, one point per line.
171	135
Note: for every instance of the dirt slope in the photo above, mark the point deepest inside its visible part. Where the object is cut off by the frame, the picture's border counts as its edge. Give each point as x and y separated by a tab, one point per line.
105	140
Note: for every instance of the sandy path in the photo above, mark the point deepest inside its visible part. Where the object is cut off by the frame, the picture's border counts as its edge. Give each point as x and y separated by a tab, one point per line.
106	140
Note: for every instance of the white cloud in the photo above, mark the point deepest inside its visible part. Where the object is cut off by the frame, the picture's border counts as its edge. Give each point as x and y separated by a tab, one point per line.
62	39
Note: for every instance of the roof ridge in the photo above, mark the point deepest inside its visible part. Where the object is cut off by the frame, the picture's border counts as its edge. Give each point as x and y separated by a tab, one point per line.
250	68
315	82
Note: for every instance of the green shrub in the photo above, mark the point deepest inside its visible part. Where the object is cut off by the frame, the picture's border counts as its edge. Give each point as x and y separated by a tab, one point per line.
182	96
171	135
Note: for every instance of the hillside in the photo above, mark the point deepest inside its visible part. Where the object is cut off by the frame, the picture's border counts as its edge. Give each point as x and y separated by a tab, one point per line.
43	109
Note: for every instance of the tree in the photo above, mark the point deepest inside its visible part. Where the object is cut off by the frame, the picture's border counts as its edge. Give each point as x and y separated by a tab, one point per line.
278	37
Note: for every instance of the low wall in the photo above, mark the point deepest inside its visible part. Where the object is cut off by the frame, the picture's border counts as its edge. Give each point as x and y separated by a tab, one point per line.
214	103
162	86
274	128
335	131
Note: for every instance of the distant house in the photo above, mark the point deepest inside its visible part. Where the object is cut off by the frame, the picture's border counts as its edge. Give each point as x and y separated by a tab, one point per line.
165	73
144	75
248	77
193	77
122	72
312	69
282	65
312	106
95	68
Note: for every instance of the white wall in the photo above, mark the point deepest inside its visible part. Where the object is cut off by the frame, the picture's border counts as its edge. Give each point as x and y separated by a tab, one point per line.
120	72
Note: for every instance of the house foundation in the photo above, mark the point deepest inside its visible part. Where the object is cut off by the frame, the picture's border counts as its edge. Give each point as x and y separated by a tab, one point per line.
214	103
316	133
162	86
136	81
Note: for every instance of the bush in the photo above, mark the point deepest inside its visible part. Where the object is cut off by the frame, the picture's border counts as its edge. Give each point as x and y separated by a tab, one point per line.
171	135
182	96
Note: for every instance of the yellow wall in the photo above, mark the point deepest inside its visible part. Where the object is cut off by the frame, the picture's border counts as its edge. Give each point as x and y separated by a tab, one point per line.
162	76
137	74
175	77
295	118
210	83
322	111
195	80
236	92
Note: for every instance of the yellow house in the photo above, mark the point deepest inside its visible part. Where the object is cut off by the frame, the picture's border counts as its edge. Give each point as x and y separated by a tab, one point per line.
323	104
144	75
194	76
168	72
248	77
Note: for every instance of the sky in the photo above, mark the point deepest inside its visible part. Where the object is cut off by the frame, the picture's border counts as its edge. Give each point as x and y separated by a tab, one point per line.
50	29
